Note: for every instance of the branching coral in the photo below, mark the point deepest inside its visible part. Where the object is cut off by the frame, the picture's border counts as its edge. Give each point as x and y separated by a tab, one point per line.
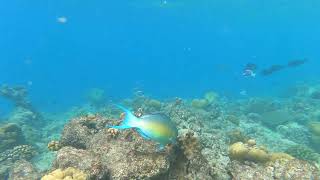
67	174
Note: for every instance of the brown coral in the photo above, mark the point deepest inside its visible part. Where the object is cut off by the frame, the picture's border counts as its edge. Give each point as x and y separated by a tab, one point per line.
238	151
257	155
66	174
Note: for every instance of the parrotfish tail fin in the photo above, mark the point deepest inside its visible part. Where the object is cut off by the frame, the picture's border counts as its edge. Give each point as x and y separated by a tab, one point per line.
129	120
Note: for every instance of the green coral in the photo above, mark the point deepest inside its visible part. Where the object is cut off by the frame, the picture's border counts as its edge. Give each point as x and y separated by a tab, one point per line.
303	152
10	136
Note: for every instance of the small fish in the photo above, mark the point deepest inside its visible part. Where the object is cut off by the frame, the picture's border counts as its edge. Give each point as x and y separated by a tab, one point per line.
155	127
249	70
272	69
298	62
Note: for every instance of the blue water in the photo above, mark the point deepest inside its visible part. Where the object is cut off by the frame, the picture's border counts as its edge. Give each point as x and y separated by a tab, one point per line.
178	48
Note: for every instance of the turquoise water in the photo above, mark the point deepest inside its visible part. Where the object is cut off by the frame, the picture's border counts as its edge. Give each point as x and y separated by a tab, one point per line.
118	46
78	57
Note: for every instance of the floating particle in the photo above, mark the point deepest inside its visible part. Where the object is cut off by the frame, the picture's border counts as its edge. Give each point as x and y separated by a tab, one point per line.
29	83
243	93
27	61
62	20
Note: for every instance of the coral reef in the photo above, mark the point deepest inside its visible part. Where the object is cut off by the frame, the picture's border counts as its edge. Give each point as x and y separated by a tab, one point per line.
18	152
279	169
274	118
66	174
131	156
304	153
315	94
236	135
199	103
18	95
82	160
234	119
23	170
208	99
259	106
295	132
78	132
315	134
249	151
191	161
218	139
10	136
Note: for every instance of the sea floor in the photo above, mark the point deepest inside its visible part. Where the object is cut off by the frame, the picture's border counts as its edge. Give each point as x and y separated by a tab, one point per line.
218	138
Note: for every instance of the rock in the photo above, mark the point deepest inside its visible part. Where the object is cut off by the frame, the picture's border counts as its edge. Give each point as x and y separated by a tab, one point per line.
23	170
292	169
129	156
102	154
81	159
76	134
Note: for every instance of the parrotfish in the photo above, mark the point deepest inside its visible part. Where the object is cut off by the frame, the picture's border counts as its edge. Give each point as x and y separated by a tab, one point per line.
156	127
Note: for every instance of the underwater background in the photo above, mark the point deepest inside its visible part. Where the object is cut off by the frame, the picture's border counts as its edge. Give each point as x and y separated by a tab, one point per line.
64	64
